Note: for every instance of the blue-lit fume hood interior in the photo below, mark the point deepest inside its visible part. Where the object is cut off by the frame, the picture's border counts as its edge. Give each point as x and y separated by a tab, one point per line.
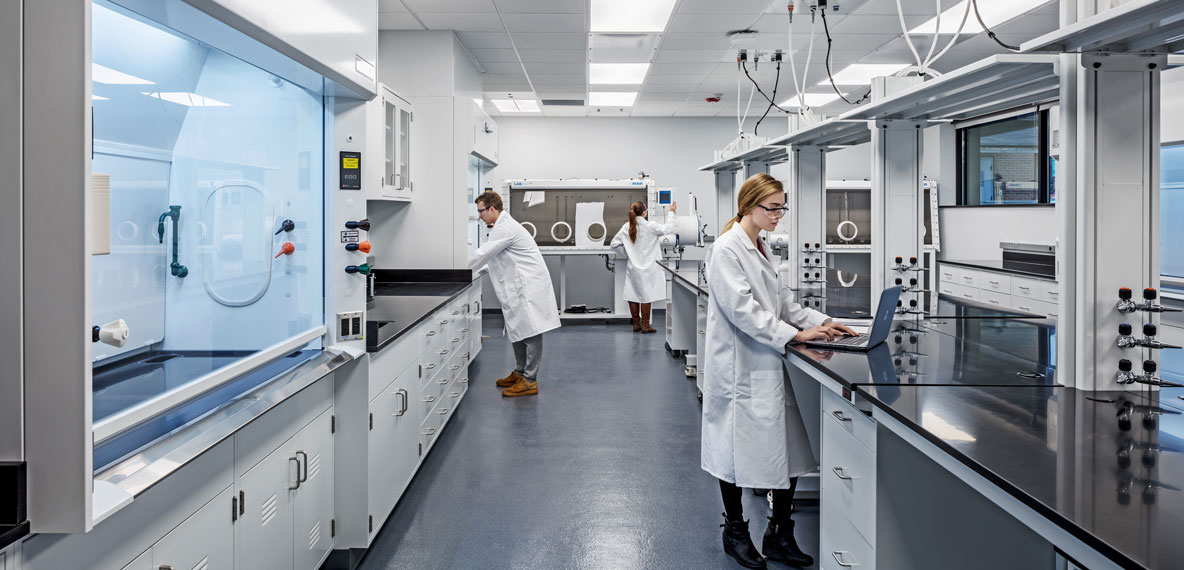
207	157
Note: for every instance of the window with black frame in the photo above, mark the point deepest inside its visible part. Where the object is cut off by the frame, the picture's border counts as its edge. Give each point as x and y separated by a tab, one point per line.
1006	162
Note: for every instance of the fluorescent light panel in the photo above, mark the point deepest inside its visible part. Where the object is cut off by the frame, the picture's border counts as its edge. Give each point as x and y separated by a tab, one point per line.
108	76
994	13
516	105
631	15
612	98
187	99
94	97
812	100
617	73
862	73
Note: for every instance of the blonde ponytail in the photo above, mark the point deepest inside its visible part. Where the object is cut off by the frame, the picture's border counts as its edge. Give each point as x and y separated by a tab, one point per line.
635	210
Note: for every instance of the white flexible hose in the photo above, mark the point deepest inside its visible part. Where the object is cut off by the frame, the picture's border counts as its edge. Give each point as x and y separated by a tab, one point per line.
904	28
936	37
961	27
803	111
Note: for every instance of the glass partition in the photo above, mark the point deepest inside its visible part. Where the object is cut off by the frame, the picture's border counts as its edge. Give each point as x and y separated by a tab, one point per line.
208	217
1004	162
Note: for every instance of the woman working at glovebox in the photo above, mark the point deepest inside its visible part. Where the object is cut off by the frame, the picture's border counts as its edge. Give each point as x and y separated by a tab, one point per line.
753	433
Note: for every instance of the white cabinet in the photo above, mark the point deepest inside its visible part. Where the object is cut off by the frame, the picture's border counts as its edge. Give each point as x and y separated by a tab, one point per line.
394	445
389	143
485	135
203	542
286	503
1003	290
848	472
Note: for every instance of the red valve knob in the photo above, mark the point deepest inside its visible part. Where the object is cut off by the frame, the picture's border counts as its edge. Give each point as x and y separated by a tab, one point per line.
287	249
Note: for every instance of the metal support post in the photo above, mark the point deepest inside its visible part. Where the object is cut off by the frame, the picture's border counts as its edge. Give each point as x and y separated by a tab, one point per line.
807	203
896	202
725	200
1117	205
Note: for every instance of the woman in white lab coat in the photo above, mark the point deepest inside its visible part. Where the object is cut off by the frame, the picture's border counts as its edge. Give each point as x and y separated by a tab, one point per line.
640	239
753	433
522	284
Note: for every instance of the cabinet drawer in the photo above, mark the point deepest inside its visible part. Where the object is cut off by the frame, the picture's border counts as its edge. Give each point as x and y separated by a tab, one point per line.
841	546
1050	292
430	427
391	362
1022	287
959	291
848	475
946	274
995	299
1035	307
967	277
428	333
997	282
849	419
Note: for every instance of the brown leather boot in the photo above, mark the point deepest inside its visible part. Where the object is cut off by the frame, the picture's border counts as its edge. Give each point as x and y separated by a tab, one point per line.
634	309
510	380
523	387
645	320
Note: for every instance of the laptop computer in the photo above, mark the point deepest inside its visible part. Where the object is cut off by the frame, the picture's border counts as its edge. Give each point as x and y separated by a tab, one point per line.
881	326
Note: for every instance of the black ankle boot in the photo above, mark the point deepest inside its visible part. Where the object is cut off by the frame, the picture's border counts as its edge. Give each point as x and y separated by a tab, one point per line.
738	544
780	546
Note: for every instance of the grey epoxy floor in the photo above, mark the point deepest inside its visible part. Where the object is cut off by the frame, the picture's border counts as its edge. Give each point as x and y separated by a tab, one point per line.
599	471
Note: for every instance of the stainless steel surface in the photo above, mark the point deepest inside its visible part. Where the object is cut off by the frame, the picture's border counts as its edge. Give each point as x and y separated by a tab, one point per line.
1027	247
141	471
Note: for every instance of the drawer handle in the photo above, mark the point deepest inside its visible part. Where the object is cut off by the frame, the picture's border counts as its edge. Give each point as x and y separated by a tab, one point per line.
430	366
442	411
1022	288
839	559
429	431
456	340
464	330
993	301
454	367
968	295
1023	308
444	322
431	333
455	313
455	394
992	282
841	474
702	332
1054	293
968	278
429	399
463	380
443	351
442	381
839	416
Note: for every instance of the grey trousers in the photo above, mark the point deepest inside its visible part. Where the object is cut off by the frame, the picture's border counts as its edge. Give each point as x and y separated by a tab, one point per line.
528	354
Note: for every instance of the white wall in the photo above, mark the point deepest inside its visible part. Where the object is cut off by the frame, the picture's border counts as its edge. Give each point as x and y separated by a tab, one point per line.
1172	106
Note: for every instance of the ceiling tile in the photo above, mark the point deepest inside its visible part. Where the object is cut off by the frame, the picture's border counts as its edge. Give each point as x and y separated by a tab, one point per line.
553	55
694	112
485	40
395	21
681	69
541	6
692	56
674	41
753	7
452	6
551	22
708	23
391	6
507	82
552	111
647	95
462	22
503	67
551	40
556	69
558	82
495	55
659	80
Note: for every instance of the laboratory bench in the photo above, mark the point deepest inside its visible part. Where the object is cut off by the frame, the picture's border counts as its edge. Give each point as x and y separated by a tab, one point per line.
954	444
405	298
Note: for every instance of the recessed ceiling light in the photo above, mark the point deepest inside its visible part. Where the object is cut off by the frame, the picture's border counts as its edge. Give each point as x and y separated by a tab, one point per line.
187	99
631	15
994	13
101	74
617	73
612	98
862	73
812	100
516	105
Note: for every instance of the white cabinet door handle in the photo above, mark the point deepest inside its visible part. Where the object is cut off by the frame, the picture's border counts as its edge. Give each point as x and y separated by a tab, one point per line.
839	416
431	333
838	471
838	554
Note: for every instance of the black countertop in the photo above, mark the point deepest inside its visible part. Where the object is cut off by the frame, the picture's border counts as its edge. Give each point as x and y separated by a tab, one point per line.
404	298
1017	267
10	533
1070	455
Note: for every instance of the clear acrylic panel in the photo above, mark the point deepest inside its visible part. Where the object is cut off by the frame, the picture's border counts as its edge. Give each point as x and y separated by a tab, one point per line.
216	209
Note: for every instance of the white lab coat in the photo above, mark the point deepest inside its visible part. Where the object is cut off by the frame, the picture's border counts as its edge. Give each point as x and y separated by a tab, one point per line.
753	433
644	280
520	279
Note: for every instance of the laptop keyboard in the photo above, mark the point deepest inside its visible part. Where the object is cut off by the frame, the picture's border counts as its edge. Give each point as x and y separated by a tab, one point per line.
849	340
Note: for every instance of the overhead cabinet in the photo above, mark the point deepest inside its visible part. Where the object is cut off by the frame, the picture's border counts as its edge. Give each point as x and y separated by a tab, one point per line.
388	176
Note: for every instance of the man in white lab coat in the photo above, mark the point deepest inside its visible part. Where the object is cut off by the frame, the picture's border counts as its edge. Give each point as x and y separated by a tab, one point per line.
523	286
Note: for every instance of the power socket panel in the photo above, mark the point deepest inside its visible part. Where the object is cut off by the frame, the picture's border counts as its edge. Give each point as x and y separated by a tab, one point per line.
349	326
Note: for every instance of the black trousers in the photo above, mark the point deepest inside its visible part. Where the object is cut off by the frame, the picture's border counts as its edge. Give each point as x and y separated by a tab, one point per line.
782	501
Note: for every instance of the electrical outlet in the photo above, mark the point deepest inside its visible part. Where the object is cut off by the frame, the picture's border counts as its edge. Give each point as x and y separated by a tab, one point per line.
349	326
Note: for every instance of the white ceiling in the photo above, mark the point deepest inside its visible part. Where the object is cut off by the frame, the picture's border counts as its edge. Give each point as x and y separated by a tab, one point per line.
694	59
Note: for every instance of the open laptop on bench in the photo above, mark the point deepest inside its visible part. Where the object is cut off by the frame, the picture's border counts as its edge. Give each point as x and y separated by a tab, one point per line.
881	326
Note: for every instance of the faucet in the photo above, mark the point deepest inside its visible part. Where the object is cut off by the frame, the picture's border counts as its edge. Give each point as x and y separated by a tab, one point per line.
174	213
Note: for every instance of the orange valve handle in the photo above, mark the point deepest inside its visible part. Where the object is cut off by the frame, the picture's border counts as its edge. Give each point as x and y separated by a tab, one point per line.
287	249
363	247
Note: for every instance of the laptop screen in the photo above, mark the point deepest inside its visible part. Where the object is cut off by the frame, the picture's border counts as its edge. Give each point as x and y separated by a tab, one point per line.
882	326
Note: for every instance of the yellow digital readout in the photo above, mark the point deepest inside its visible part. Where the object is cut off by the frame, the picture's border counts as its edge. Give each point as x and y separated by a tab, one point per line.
349	162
